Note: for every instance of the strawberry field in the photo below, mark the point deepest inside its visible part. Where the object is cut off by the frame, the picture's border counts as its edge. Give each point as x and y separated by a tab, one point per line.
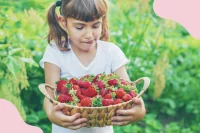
157	48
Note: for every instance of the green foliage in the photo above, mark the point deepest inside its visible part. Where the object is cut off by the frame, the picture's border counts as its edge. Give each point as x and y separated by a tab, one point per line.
157	48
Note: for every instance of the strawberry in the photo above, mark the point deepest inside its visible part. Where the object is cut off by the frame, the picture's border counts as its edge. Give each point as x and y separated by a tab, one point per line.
80	83
120	93
107	102
92	91
127	97
96	78
70	97
77	88
73	81
84	84
63	98
108	96
123	82
132	93
86	102
100	84
113	82
64	90
103	92
61	85
84	92
99	77
117	101
80	96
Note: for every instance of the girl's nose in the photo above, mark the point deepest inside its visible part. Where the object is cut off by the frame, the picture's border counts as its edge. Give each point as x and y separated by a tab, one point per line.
88	33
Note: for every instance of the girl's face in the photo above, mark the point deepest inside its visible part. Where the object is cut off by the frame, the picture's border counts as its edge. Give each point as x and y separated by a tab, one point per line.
84	35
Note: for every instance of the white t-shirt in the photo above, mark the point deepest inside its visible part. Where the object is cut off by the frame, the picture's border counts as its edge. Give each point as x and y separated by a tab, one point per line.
109	57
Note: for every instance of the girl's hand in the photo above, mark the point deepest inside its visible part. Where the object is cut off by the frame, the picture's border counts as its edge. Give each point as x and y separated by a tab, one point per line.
73	122
134	114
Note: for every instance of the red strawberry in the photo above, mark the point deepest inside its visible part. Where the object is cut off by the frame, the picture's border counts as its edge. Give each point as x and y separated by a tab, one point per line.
77	88
100	84
120	93
63	98
113	82
92	91
86	102
73	81
80	96
61	84
99	77
123	82
126	97
70	97
108	96
85	92
80	83
117	101
64	90
107	102
96	78
103	92
132	93
86	84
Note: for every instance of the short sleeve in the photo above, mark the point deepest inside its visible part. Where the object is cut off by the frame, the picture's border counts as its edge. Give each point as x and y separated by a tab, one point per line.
50	55
118	58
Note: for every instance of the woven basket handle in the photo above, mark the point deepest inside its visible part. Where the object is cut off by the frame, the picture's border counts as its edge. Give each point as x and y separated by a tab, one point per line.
42	88
145	86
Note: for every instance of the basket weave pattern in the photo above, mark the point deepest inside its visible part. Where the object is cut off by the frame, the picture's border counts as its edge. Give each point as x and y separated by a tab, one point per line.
96	116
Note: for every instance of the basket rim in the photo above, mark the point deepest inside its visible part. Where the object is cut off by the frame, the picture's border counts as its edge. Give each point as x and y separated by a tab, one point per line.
102	107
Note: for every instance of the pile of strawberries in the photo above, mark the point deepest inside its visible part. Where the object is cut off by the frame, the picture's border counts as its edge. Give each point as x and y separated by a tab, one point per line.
95	91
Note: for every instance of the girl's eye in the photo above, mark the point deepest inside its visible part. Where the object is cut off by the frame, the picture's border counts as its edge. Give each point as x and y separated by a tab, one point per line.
79	28
96	26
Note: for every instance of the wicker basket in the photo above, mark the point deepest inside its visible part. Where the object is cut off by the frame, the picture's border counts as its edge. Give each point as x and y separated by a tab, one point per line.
96	116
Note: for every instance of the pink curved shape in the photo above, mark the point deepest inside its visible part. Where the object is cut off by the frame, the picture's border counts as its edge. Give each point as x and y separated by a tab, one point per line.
11	121
185	12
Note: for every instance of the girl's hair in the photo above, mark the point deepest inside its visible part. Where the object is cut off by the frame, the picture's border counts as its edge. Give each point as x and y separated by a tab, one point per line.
83	10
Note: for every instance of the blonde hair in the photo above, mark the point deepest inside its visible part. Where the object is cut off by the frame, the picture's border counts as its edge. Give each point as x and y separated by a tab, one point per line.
83	10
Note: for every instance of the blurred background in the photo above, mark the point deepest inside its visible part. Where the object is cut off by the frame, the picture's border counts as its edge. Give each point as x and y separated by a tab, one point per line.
160	49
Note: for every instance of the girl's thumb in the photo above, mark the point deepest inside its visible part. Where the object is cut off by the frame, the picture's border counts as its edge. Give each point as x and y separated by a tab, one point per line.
137	101
59	106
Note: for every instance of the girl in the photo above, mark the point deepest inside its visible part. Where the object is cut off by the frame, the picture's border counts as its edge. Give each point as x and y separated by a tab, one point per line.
78	46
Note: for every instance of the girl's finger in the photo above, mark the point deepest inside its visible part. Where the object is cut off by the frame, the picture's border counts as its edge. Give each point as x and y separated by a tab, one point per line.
70	119
75	123
120	123
137	101
121	118
126	112
77	126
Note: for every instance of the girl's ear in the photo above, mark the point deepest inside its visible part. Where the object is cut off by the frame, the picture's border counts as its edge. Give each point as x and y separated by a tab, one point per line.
62	21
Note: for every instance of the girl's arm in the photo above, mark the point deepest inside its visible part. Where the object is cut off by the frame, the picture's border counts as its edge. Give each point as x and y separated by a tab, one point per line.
54	113
131	115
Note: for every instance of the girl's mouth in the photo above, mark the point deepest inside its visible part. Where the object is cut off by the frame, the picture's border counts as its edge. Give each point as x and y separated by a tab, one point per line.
90	42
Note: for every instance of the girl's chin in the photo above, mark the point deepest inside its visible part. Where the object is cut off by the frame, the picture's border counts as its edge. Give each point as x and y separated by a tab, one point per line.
88	47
